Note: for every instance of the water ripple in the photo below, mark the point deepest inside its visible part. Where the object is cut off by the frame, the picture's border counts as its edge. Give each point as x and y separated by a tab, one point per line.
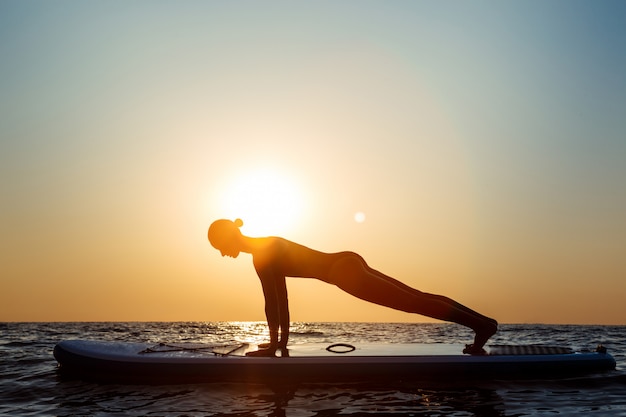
29	384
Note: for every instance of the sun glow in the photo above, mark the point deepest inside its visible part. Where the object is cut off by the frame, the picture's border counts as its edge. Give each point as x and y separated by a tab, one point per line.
268	201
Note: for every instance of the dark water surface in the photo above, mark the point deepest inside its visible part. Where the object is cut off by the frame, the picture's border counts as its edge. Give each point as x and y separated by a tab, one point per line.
30	385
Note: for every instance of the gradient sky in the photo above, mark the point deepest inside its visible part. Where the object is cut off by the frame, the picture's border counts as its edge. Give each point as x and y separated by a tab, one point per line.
482	143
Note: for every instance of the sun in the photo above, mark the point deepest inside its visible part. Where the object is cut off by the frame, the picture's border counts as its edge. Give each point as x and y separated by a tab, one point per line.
267	200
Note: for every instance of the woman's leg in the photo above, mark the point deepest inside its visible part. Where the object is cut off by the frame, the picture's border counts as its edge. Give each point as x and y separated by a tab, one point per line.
353	275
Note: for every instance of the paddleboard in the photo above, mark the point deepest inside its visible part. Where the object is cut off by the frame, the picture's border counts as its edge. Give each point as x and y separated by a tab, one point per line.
124	362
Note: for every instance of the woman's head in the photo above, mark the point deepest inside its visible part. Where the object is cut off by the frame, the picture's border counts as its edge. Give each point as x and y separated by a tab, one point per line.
225	236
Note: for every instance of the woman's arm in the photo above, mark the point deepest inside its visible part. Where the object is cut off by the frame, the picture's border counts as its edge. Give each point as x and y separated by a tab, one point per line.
276	307
283	311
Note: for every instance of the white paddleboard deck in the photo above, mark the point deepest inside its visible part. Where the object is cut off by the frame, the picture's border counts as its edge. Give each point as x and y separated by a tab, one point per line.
179	363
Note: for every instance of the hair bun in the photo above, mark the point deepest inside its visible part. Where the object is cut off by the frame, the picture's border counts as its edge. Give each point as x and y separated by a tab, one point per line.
238	222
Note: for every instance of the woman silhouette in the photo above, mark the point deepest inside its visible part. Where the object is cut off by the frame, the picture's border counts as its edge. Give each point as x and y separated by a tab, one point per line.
275	258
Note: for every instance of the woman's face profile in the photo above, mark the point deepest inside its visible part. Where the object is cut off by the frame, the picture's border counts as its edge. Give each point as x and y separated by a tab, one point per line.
223	237
230	249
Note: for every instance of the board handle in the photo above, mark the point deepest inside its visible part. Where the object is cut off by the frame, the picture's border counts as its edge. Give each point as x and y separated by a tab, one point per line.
333	348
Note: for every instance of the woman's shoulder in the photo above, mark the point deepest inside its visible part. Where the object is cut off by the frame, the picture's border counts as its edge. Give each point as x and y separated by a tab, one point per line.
272	256
275	248
268	249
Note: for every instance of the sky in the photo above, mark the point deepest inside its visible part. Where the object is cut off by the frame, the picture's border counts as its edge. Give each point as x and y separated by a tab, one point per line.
471	149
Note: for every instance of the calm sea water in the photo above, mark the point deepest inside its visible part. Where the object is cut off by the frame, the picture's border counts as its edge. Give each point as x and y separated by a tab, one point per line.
30	385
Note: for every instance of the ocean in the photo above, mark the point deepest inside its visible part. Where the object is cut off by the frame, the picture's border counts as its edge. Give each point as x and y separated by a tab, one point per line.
31	386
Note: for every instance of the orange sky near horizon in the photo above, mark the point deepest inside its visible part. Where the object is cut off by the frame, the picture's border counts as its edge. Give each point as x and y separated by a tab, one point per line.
471	150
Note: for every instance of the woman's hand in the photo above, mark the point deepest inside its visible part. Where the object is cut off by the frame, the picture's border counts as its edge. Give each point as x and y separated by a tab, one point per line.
281	345
269	351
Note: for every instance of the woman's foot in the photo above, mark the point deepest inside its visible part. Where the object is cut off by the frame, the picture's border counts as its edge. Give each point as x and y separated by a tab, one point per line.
474	351
482	335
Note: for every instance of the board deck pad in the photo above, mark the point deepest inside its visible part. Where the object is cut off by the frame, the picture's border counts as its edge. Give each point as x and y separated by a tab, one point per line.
223	350
528	350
